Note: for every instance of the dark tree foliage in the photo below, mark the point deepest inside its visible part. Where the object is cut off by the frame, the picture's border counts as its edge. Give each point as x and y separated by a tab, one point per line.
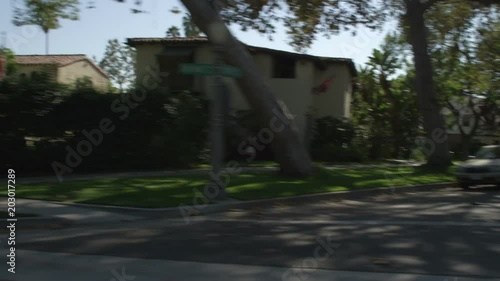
40	119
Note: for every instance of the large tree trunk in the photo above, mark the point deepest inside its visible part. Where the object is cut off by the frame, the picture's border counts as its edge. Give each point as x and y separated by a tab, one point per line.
465	145
434	124
289	151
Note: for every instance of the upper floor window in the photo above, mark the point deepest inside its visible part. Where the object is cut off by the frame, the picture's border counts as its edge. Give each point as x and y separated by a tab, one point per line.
283	67
169	62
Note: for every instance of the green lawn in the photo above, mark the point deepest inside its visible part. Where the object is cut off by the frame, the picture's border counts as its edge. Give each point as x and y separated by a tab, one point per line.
274	164
244	164
171	191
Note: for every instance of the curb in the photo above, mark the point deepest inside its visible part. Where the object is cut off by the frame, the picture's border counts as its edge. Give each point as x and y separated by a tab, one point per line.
175	212
28	223
311	198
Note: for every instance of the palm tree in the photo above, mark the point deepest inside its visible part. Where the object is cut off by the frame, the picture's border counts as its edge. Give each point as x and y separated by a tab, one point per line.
46	14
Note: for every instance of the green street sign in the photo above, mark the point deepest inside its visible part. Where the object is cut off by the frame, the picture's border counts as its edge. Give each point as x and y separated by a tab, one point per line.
231	71
209	69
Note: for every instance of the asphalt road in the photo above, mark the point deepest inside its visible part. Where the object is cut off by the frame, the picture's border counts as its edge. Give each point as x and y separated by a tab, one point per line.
448	232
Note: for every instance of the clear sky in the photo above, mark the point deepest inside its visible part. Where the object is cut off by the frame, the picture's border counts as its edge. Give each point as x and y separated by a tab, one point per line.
110	19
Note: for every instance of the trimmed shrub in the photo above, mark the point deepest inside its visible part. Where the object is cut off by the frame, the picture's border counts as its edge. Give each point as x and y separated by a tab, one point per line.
337	140
42	120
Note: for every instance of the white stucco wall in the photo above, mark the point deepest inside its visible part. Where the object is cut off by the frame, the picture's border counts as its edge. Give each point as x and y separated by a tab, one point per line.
295	93
69	73
336	101
146	59
206	84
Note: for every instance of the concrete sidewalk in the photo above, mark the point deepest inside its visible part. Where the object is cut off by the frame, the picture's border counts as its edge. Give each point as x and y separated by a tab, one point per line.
169	173
61	212
84	214
47	266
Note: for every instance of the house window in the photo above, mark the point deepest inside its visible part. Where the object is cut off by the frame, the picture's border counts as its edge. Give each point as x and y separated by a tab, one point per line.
466	120
283	67
169	62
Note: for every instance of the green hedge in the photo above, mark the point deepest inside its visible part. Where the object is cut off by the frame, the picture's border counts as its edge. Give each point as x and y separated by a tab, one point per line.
337	140
40	120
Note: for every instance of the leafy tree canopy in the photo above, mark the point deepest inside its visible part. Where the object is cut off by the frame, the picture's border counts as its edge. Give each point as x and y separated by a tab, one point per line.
190	28
173	32
10	57
119	62
46	13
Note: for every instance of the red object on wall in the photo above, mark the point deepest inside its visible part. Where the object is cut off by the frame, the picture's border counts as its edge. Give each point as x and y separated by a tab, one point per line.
323	87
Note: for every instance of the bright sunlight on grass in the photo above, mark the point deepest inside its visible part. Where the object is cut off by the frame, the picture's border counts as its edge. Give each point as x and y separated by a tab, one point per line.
159	192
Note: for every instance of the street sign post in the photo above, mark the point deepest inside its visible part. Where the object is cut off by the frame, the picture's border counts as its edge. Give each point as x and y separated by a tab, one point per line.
209	70
218	34
219	107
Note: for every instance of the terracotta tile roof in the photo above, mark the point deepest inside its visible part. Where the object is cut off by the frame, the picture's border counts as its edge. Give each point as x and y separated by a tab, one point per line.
59	60
199	41
169	40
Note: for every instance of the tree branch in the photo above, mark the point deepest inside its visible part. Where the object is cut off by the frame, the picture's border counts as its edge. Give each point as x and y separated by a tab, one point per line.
456	113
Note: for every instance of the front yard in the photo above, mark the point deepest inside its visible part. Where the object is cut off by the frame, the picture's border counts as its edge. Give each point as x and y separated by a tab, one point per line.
156	192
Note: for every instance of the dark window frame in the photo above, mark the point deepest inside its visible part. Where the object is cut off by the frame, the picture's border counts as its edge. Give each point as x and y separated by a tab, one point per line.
182	54
284	67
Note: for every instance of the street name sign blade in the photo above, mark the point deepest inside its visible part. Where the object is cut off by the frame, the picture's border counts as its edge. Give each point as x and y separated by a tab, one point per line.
196	69
231	71
209	69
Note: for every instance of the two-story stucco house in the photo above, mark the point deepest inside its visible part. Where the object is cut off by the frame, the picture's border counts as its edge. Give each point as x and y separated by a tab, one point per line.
63	69
308	85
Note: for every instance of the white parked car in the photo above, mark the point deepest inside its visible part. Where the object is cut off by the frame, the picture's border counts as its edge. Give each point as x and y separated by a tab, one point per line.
482	169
